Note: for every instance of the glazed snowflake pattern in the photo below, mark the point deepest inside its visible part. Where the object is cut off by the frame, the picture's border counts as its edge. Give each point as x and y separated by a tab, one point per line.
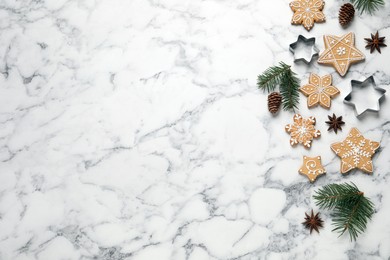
306	12
319	90
341	51
355	152
302	131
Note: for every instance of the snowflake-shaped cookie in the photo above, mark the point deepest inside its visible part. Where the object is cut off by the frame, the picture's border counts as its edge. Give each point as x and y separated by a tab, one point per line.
355	152
319	90
307	12
302	130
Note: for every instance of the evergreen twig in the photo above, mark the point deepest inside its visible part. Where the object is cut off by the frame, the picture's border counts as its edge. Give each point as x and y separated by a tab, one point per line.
283	76
369	6
289	87
351	209
272	77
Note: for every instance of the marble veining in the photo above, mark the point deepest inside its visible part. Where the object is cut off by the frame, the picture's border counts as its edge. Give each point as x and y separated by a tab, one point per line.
133	129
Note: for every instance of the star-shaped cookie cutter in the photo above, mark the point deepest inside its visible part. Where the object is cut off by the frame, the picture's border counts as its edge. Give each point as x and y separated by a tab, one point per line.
360	85
308	43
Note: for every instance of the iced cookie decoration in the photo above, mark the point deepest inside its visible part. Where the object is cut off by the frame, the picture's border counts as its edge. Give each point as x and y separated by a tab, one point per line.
319	90
340	52
312	167
355	152
306	12
302	131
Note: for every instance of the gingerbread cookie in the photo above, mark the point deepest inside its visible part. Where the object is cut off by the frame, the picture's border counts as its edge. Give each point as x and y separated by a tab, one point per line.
306	12
302	130
312	167
340	52
319	90
355	152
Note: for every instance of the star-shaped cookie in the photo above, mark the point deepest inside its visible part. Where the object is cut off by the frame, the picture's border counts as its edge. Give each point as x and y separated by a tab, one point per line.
312	167
340	52
302	131
355	152
319	90
306	12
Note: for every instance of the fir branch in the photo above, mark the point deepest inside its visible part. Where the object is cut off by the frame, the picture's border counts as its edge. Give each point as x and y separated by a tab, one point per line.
354	219
351	209
332	194
283	76
369	6
289	87
272	77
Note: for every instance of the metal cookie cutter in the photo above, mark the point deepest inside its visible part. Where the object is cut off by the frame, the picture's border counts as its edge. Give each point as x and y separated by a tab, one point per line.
304	49
364	101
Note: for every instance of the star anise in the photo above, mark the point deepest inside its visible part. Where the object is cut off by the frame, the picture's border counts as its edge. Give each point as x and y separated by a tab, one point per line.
335	123
313	221
375	42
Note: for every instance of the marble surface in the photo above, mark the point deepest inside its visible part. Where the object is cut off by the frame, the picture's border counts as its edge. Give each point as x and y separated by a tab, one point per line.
133	129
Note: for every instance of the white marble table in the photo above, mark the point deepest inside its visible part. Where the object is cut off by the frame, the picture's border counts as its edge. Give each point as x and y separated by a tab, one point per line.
133	129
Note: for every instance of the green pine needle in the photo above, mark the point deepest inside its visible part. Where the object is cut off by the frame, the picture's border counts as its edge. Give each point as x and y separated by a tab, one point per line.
351	209
369	6
289	87
272	77
330	195
283	76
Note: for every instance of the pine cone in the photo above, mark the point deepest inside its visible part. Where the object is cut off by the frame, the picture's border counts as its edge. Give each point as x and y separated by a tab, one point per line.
274	101
346	13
